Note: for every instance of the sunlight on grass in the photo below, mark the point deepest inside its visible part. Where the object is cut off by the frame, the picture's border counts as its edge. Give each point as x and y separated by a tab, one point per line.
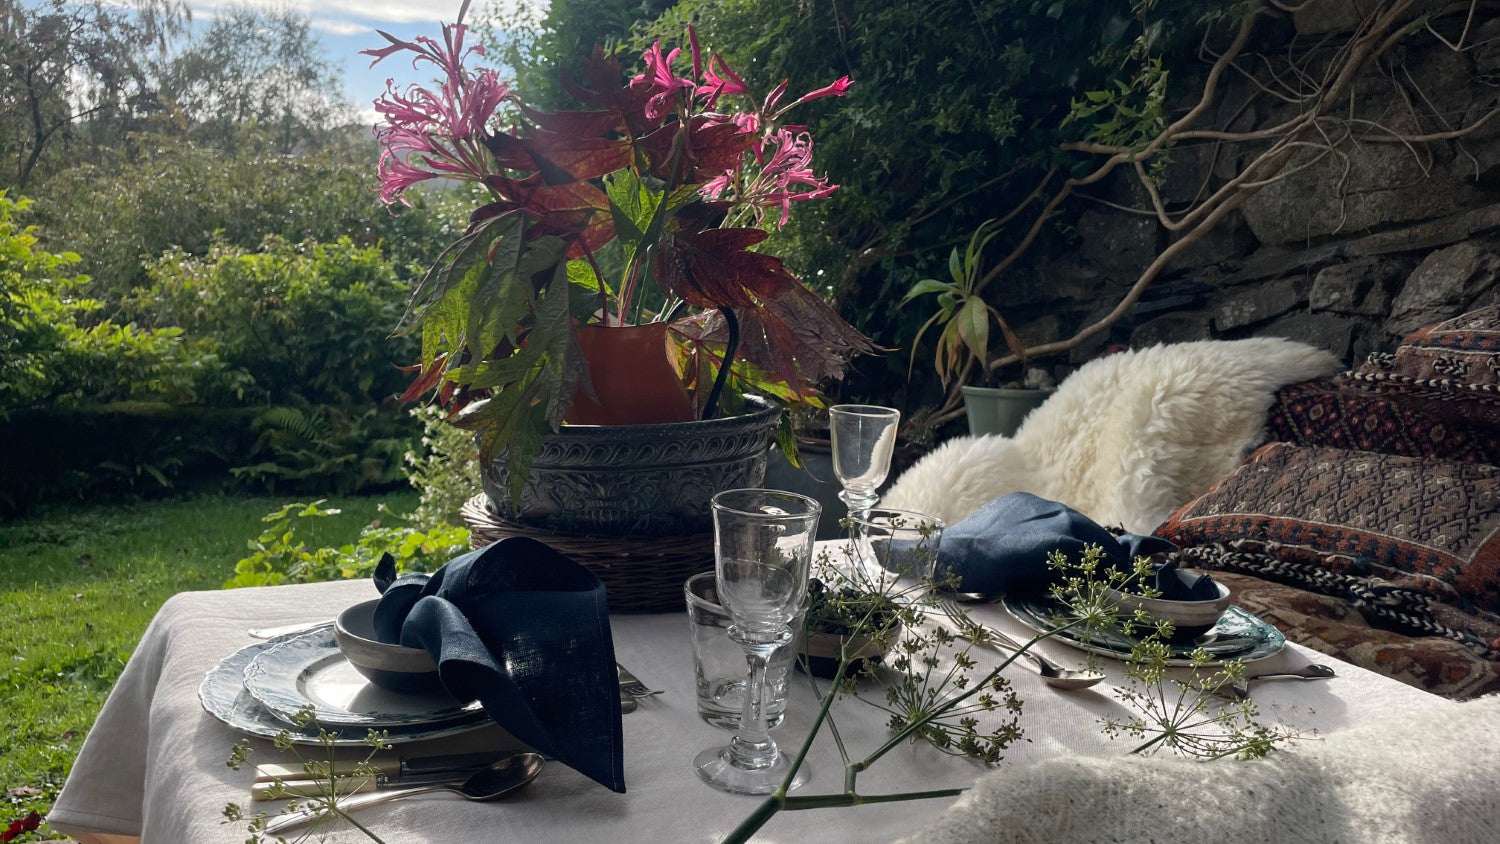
77	589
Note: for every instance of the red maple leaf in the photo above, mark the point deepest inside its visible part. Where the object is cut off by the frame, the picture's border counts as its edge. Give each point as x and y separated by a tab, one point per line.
710	148
785	328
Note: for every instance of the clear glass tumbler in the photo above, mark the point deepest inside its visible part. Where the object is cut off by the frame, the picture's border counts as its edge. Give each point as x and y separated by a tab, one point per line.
890	543
864	438
763	545
719	661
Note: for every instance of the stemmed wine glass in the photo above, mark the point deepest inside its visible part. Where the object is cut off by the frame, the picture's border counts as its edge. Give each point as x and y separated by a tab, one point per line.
763	543
864	437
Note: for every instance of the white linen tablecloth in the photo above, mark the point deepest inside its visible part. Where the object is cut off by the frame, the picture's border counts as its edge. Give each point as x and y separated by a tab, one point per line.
153	764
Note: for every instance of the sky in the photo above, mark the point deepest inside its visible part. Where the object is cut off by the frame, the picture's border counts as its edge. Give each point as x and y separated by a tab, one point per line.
347	26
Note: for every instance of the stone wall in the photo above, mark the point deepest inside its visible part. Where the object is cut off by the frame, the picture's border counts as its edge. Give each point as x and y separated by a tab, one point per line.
1350	254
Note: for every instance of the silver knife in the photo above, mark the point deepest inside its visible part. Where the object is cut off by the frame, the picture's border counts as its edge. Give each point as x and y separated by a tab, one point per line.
398	770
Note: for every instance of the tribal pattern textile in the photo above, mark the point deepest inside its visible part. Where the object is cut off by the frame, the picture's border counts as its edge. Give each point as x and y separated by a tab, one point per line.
1456	360
1336	415
1429	526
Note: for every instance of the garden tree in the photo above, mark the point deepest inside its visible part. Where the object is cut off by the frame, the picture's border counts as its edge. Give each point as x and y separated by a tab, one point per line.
540	40
64	62
259	72
155	193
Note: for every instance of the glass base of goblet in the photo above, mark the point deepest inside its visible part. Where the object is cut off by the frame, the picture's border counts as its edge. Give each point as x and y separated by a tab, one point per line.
858	500
715	768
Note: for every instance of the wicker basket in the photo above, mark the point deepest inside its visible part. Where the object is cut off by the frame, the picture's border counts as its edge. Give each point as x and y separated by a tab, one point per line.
640	574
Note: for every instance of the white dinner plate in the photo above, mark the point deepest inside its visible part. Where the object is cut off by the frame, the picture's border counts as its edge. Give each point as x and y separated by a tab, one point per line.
309	671
223	696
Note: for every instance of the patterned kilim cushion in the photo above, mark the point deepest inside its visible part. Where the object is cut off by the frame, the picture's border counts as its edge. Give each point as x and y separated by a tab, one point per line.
1405	533
1327	413
1331	625
1456	359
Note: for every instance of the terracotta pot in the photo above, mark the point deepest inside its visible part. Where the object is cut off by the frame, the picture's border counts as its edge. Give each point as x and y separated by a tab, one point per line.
633	378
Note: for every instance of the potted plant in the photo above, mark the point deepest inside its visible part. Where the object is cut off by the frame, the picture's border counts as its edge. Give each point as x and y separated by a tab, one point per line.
604	313
964	320
845	619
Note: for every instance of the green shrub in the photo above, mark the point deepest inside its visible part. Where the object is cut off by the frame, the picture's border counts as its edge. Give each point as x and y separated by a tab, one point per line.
306	322
121	449
48	358
444	469
287	550
160	193
327	449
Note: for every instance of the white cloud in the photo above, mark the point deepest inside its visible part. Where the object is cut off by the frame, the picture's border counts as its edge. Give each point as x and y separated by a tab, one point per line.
342	27
338	12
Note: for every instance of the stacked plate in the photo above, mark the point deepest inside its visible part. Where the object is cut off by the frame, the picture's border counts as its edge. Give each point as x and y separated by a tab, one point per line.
261	688
1239	635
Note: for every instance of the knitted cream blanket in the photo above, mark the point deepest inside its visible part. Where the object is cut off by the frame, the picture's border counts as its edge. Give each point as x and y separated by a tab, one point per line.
1432	777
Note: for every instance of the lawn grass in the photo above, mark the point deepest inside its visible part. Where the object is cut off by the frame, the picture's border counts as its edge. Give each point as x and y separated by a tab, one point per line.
77	589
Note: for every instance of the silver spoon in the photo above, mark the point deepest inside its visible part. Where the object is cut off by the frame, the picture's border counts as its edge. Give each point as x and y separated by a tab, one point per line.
1241	690
1053	674
498	780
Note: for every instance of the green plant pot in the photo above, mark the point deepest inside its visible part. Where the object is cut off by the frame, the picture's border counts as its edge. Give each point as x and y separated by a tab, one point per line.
1000	410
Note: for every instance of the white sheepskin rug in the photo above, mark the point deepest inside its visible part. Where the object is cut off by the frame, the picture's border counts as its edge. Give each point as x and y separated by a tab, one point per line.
1428	776
1127	438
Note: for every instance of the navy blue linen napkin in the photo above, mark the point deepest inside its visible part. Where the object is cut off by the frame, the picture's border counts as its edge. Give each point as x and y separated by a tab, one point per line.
1177	585
1003	546
524	630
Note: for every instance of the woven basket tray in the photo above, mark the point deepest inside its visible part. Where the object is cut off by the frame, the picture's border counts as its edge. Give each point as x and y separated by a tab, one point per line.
641	574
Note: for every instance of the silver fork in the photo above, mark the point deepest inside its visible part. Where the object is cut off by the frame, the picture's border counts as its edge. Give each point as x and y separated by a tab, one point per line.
1052	674
632	686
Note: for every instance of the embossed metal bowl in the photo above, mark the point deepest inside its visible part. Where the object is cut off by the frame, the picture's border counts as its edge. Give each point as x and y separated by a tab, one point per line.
637	480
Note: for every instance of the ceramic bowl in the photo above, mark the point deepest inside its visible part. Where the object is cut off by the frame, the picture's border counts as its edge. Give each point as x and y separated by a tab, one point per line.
393	667
1190	618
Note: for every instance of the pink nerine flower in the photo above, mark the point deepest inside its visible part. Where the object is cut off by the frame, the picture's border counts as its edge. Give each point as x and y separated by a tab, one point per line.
786	177
714	85
839	88
426	134
658	79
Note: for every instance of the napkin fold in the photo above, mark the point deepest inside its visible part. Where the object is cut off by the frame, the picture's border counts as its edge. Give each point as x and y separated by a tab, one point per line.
524	630
1003	546
1177	585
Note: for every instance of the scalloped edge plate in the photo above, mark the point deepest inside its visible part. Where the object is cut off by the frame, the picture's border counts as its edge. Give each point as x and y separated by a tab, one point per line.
224	696
309	670
1236	622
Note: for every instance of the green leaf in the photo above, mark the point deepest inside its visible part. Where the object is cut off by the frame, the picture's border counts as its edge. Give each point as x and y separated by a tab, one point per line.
925	286
581	273
974	322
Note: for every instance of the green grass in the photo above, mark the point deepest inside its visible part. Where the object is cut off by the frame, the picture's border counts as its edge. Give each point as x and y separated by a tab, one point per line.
77	589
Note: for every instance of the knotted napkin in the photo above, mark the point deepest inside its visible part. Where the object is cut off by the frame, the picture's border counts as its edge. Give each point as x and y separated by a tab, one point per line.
524	630
1177	585
1003	546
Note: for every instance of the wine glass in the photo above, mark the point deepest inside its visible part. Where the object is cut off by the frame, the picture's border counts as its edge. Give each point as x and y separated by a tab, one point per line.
763	543
864	437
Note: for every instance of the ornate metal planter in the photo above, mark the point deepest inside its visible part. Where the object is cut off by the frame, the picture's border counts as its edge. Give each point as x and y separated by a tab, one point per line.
637	480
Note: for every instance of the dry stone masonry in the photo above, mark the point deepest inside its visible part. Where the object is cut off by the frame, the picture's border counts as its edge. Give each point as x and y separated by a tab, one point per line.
1350	253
